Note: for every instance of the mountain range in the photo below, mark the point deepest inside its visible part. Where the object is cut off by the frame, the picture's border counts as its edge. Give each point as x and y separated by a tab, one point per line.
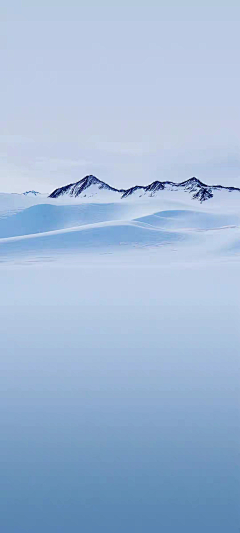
91	186
31	193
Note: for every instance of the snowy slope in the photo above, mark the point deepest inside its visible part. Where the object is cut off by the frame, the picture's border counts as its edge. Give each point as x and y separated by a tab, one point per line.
169	235
13	203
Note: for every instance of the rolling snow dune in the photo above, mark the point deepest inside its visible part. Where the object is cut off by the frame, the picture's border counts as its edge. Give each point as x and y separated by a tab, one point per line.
176	219
48	217
90	237
40	227
133	240
55	215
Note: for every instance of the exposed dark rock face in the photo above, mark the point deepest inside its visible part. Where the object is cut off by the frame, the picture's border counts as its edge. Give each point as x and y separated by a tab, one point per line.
203	194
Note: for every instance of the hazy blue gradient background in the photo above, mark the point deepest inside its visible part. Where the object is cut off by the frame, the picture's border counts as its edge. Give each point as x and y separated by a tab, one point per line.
119	407
131	92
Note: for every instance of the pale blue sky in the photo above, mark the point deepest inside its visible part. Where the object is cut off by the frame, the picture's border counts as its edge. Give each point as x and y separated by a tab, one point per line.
130	93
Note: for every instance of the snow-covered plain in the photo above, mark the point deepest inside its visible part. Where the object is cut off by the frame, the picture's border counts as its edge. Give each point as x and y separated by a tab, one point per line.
120	364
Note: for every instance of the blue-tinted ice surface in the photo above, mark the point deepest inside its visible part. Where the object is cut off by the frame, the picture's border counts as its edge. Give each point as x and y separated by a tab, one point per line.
119	398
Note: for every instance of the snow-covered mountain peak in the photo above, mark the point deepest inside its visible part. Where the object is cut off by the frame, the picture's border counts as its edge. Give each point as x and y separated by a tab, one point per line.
88	181
194	181
31	193
88	186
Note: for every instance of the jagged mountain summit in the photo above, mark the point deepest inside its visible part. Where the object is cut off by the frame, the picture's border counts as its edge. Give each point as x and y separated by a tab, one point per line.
90	186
